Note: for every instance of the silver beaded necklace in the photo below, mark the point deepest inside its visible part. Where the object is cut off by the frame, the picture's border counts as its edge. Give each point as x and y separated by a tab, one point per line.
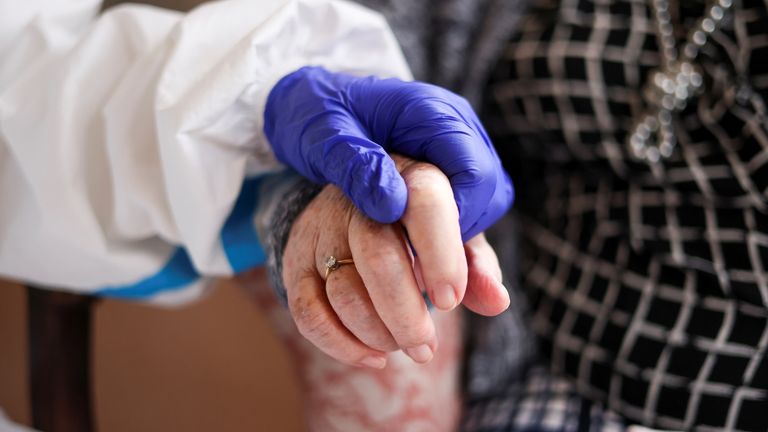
674	83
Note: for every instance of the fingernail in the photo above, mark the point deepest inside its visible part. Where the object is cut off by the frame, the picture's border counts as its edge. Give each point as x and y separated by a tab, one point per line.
374	362
420	354
445	297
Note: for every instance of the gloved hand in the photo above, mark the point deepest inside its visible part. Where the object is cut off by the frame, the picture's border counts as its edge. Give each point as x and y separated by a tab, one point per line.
338	128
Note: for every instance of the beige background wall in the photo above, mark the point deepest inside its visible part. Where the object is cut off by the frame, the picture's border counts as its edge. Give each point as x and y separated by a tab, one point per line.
214	365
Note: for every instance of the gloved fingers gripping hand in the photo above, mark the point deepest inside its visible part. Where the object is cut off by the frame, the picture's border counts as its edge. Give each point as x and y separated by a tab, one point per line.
336	128
364	310
431	124
311	129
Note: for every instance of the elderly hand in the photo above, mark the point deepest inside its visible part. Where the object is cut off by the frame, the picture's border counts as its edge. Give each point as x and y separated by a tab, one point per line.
375	306
337	128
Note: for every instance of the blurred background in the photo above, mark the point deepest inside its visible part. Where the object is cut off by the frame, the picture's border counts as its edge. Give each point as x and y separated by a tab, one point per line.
213	365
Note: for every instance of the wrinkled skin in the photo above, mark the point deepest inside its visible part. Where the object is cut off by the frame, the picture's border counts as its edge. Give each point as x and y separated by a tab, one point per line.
375	306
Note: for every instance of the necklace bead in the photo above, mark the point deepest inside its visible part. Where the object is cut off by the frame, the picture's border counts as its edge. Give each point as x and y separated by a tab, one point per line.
674	83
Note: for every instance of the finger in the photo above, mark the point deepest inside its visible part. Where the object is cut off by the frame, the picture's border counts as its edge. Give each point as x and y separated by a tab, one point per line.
386	268
344	288
474	181
432	221
316	321
463	151
486	295
353	306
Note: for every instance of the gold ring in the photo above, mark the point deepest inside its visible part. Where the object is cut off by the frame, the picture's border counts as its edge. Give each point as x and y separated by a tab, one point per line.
332	263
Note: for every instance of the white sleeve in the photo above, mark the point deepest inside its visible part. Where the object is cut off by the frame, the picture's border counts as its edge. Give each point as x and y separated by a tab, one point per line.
126	138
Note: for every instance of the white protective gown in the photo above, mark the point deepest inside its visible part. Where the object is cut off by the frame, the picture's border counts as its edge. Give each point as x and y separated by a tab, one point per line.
132	157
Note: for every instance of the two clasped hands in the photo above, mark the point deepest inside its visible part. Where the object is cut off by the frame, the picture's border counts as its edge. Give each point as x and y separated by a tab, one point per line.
412	182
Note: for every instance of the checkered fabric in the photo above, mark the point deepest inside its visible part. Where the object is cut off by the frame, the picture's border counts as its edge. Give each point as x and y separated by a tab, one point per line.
648	284
539	403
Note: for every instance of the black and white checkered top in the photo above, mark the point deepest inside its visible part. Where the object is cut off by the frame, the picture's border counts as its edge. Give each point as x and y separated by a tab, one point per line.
648	284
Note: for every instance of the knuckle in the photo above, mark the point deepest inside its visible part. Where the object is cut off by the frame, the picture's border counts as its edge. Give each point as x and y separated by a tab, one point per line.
424	179
379	244
343	298
364	230
310	322
386	257
314	327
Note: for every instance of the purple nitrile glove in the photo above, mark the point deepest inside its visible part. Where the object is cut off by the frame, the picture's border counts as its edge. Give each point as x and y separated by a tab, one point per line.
338	128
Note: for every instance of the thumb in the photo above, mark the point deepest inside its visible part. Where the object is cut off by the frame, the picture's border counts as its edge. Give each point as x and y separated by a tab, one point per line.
485	293
366	174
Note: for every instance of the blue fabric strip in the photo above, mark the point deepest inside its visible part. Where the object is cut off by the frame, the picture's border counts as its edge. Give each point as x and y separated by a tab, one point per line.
238	237
177	273
239	240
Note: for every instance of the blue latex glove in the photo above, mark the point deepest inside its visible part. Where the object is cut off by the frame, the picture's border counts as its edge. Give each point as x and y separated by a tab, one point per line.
337	128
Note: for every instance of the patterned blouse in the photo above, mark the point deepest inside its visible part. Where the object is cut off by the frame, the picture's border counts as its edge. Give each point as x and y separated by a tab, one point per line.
648	285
